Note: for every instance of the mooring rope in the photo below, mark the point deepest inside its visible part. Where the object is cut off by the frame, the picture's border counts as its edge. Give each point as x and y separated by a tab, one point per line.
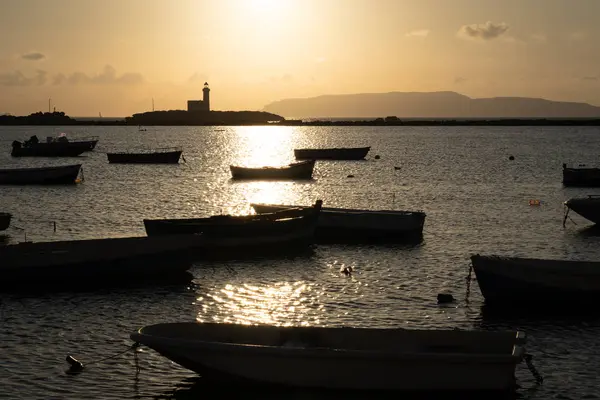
529	361
77	366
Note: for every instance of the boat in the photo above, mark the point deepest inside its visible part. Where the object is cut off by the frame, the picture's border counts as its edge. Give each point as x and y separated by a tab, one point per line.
587	207
89	142
341	358
299	170
85	262
222	233
52	148
524	282
66	174
155	156
581	176
341	153
4	220
354	225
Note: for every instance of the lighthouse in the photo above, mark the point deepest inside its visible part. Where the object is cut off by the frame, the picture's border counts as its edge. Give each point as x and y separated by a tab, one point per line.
206	97
201	105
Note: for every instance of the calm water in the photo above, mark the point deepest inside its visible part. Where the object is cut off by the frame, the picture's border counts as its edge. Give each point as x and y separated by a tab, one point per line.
477	201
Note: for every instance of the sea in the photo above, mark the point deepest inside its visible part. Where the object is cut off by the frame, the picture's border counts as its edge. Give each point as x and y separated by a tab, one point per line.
477	200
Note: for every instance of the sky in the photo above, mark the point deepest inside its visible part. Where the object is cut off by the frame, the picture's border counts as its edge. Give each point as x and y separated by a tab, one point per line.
114	56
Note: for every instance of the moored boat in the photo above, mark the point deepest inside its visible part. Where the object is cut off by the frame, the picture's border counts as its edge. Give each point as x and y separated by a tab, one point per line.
524	282
66	174
34	148
354	225
587	207
342	357
341	153
85	262
581	176
5	220
288	229
299	170
155	156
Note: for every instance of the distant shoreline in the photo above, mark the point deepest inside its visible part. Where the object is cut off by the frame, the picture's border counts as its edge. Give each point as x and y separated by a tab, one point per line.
375	122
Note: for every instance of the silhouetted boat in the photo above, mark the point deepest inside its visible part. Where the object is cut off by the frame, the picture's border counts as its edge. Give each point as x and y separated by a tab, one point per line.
156	156
299	170
83	262
581	177
524	282
291	228
66	174
342	357
34	148
352	225
342	153
587	207
4	220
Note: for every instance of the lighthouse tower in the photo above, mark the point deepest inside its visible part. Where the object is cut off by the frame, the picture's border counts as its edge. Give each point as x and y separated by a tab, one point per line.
206	97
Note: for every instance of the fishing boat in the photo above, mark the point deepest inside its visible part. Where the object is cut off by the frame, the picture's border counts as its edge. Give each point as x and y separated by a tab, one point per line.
355	225
524	282
83	262
155	156
581	176
587	207
288	229
66	174
342	357
53	148
299	170
341	153
4	220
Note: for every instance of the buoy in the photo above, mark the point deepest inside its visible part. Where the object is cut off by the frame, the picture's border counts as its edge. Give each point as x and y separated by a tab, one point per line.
444	298
76	366
511	158
350	176
377	157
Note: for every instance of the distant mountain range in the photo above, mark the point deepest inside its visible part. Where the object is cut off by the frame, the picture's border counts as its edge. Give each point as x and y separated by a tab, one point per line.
428	105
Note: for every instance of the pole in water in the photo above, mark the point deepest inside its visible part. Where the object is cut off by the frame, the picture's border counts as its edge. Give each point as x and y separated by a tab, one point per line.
76	366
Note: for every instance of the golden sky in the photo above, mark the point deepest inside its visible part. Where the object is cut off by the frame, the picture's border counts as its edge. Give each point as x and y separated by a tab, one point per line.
114	56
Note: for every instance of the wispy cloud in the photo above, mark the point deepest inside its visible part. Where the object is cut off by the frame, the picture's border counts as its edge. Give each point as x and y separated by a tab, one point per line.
17	78
418	33
487	31
107	77
538	37
579	35
33	56
198	77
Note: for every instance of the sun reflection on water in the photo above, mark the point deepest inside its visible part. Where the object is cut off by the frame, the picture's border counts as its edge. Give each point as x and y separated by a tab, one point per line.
281	303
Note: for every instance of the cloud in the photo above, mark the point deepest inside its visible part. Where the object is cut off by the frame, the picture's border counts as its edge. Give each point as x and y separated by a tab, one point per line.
198	77
539	37
459	79
418	33
107	77
487	31
34	56
577	35
17	78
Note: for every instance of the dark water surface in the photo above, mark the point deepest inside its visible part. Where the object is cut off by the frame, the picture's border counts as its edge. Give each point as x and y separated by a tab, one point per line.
476	200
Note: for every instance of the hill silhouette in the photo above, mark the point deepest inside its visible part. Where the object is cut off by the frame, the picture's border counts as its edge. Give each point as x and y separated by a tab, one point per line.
429	105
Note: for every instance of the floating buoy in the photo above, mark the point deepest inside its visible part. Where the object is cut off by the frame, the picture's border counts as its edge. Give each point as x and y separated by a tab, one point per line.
76	366
511	158
350	176
444	298
377	157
